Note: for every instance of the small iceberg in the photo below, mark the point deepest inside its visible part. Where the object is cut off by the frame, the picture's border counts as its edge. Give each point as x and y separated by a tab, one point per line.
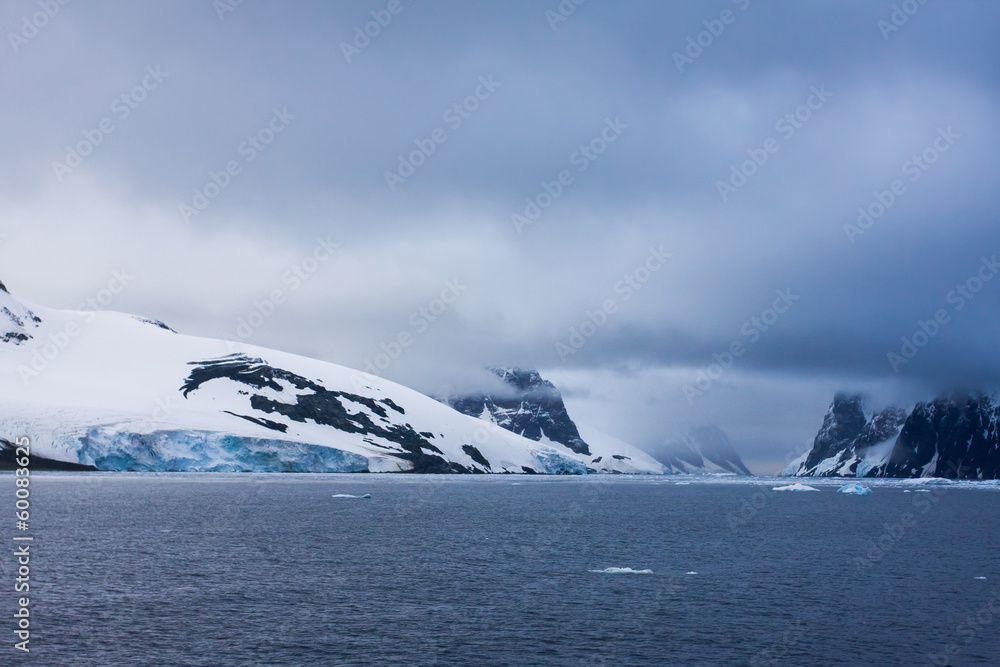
981	578
620	570
794	487
347	495
855	490
692	572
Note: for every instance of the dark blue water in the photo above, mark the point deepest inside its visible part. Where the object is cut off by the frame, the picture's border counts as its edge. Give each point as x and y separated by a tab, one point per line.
272	570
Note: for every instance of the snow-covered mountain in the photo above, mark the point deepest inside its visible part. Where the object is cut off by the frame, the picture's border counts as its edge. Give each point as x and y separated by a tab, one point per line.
704	450
954	436
17	322
853	440
530	406
118	392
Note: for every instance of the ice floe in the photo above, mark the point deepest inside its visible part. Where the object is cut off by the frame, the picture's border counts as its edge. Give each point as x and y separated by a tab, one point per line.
794	487
855	490
620	570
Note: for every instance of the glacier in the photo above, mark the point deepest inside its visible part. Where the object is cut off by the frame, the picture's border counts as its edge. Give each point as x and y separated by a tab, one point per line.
113	391
202	451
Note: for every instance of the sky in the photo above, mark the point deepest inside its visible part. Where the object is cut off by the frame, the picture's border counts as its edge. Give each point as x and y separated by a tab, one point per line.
681	213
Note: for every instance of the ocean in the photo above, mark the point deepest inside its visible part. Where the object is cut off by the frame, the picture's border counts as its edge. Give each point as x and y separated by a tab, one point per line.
240	569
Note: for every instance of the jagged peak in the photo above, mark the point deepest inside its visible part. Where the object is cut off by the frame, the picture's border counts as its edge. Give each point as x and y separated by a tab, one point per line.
522	378
17	321
708	443
525	404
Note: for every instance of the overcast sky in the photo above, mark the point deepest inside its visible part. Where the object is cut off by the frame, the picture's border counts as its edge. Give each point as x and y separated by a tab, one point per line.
247	139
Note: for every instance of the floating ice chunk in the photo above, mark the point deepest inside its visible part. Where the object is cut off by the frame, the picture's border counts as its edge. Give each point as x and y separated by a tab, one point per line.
621	570
855	490
981	578
924	481
692	572
348	495
794	487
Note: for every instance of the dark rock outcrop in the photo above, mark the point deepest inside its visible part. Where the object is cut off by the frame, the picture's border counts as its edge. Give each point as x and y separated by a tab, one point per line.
955	436
846	435
531	407
318	404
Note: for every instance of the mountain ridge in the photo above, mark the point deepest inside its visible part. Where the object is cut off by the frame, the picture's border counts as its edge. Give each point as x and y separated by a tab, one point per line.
954	436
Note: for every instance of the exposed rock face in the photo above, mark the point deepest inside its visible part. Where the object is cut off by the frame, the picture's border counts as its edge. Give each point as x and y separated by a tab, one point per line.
314	402
847	436
533	409
17	322
954	436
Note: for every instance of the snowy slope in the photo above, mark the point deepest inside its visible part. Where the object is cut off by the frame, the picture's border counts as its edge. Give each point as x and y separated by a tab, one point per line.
119	392
613	455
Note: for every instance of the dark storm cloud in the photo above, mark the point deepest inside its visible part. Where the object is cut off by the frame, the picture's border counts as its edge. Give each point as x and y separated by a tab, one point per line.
288	139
